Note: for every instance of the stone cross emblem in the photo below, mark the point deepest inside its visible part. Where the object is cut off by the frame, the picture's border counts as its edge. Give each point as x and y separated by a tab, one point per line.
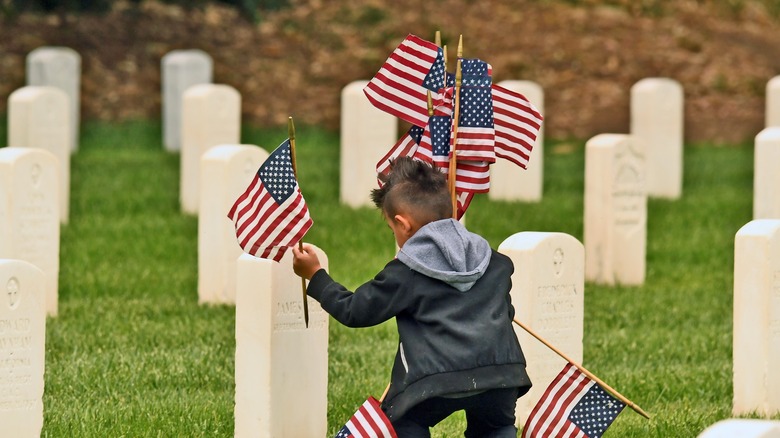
13	292
558	262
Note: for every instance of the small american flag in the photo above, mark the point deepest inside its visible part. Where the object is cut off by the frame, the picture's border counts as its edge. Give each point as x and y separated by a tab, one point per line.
572	406
368	422
404	147
472	176
401	84
517	123
271	215
476	135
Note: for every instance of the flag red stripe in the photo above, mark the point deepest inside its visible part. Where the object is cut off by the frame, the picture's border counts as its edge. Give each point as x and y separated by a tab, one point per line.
254	212
292	214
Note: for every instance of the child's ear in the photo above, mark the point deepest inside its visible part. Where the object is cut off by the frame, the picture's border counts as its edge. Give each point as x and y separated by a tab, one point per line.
404	222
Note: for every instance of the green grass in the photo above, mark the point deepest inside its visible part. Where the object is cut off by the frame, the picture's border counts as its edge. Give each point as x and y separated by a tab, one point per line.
133	354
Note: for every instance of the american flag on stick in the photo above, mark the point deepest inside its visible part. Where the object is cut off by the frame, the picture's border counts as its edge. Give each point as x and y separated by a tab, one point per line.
271	215
401	84
572	406
368	422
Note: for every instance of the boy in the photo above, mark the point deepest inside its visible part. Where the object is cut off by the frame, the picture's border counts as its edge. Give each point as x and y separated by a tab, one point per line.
449	293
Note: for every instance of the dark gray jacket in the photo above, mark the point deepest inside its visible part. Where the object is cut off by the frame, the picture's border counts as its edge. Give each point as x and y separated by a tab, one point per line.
449	293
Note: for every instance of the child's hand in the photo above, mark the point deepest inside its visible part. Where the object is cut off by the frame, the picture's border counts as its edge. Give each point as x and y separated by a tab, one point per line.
305	261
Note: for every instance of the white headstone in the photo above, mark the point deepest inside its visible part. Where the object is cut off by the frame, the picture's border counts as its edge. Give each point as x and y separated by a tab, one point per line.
766	175
29	213
548	295
38	118
508	182
757	318
226	171
742	428
22	348
657	127
772	116
59	67
211	116
615	228
281	366
181	69
367	134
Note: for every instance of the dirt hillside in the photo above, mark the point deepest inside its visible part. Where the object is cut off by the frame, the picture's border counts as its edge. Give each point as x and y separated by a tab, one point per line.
296	60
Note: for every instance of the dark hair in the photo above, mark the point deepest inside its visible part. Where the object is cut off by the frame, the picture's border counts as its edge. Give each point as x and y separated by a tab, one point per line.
415	188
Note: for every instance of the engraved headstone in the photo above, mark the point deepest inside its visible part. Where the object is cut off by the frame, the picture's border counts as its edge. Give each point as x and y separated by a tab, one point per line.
281	366
59	67
766	174
181	69
508	182
22	348
367	134
29	214
615	228
772	116
757	318
657	130
548	296
211	116
38	118
226	171
742	428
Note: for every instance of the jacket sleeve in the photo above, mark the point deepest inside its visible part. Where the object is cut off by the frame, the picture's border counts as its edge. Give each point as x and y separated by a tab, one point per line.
372	303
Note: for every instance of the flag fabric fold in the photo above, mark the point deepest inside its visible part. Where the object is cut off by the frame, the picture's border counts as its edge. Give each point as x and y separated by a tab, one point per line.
572	406
368	422
271	215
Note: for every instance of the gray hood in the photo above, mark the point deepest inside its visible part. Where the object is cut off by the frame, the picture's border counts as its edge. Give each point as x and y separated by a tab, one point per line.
447	251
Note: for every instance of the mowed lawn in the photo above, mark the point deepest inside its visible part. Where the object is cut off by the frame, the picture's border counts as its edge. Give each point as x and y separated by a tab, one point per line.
133	354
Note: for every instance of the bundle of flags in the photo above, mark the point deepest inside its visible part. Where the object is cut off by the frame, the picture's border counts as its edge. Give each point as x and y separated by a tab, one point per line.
271	215
572	406
493	122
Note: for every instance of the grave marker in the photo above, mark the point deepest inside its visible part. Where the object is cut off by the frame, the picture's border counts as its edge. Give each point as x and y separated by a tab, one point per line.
38	118
508	182
772	116
766	174
226	171
22	348
211	116
548	295
367	133
615	228
29	218
757	318
181	69
742	428
281	366
59	67
657	131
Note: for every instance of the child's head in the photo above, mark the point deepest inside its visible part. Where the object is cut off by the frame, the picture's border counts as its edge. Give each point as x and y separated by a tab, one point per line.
414	192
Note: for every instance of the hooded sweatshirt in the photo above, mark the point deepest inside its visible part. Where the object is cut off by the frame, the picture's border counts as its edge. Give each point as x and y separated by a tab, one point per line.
449	292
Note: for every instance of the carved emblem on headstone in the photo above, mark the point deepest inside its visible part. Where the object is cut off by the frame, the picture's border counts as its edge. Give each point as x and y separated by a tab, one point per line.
558	261
35	174
13	292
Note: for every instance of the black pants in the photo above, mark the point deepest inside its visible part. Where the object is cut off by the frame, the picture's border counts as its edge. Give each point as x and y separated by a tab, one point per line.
488	414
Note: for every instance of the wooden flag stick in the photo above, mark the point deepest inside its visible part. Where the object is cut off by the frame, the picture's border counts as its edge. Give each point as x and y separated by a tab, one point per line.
590	375
454	149
291	134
